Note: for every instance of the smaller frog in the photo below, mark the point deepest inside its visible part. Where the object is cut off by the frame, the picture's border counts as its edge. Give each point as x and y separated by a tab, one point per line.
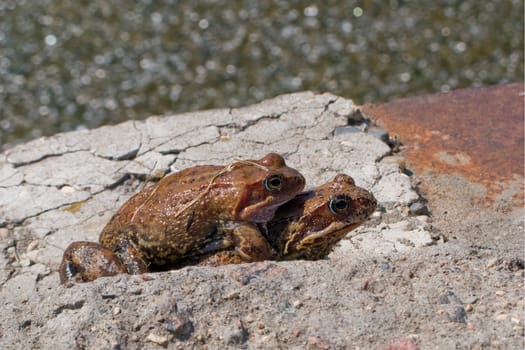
196	211
309	226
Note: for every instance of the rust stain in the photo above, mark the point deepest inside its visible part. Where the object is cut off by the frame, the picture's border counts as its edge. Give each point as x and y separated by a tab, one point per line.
475	133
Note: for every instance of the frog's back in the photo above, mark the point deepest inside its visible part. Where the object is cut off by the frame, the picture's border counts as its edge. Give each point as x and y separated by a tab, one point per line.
154	203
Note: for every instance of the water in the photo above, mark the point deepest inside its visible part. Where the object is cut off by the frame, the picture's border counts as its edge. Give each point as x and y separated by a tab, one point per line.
81	64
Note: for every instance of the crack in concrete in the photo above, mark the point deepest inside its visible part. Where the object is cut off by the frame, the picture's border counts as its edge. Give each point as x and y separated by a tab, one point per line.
45	156
250	123
21	222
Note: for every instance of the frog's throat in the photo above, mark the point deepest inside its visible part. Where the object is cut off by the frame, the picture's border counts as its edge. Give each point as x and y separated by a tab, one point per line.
319	244
227	168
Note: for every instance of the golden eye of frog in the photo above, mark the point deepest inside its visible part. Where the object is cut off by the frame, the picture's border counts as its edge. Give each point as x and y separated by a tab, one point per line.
198	210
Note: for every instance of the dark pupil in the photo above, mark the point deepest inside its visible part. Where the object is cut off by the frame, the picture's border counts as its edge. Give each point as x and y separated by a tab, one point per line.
341	204
275	182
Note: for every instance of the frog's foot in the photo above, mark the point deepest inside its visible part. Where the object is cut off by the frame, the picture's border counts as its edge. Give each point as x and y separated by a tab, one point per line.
87	261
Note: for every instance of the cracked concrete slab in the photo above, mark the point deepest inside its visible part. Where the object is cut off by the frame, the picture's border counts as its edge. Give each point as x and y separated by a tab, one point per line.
65	188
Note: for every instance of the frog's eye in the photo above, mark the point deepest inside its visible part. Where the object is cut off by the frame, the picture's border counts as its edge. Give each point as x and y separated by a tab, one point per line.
339	204
273	183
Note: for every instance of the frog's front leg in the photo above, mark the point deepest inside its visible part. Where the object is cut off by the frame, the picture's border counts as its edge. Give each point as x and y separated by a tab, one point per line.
236	246
87	261
248	241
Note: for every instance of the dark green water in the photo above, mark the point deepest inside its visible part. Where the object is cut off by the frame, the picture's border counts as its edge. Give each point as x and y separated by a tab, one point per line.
80	64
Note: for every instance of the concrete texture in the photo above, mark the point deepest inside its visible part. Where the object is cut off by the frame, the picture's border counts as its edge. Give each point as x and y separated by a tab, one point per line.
401	281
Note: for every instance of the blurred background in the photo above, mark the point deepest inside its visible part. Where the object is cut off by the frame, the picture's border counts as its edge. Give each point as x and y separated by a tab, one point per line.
68	65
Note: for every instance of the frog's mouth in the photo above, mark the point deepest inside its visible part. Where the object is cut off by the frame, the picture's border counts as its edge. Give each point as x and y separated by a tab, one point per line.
317	245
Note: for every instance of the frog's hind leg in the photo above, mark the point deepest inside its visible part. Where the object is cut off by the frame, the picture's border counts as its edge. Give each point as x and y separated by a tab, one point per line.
87	261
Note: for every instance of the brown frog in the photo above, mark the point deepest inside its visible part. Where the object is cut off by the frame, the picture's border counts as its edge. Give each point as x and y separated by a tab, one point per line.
196	211
309	226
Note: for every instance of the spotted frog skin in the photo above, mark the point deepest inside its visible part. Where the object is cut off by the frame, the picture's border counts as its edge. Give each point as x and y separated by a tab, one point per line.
309	226
199	210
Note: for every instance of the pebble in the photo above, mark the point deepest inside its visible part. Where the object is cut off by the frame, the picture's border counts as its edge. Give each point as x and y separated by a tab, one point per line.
147	277
116	310
471	300
501	317
157	339
67	189
32	246
418	208
320	344
516	319
25	261
408	274
235	335
267	338
491	263
342	130
40	270
460	316
385	266
379	133
232	295
469	308
180	326
423	218
3	233
364	285
500	293
355	116
297	304
136	291
515	264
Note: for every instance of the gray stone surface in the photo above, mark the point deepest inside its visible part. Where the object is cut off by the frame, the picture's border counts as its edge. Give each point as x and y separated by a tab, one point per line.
65	188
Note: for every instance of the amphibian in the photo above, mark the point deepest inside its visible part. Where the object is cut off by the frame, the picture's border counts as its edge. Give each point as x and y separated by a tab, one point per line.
196	211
